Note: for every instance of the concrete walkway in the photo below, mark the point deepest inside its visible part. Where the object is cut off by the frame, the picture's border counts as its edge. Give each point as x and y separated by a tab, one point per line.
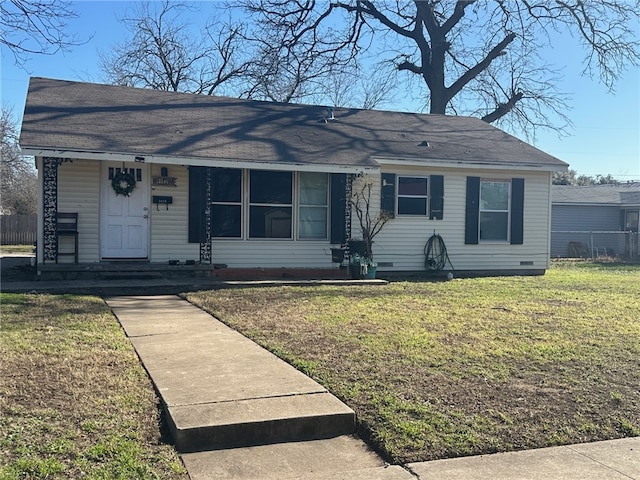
238	412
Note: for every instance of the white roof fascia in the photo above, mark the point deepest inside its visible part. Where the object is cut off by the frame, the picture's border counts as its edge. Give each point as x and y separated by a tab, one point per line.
415	162
224	163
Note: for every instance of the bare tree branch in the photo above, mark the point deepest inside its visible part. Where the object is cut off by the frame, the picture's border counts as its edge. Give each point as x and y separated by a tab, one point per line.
36	27
457	49
162	53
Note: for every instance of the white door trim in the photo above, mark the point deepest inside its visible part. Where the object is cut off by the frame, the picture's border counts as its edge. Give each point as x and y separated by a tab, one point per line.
124	221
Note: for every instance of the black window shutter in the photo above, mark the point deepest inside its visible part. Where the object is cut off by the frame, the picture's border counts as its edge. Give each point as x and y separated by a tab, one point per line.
388	194
197	200
472	211
436	200
517	211
338	208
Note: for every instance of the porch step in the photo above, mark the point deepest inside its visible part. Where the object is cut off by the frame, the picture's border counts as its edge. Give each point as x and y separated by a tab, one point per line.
129	275
259	421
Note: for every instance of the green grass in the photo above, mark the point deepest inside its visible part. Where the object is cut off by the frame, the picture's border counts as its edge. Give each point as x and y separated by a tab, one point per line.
74	399
444	369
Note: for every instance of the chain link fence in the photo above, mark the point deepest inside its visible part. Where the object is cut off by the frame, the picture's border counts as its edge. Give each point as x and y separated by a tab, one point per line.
594	244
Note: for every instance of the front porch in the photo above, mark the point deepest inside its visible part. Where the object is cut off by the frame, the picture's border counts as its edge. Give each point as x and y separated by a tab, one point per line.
131	270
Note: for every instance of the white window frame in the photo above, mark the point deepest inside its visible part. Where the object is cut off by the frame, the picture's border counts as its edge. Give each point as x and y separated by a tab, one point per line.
291	205
482	210
240	204
324	207
398	196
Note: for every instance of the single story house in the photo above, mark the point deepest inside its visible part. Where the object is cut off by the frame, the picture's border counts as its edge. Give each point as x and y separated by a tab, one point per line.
595	220
160	178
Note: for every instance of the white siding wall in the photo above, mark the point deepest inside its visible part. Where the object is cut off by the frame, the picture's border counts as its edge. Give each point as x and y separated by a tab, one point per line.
401	242
170	226
272	253
403	239
79	191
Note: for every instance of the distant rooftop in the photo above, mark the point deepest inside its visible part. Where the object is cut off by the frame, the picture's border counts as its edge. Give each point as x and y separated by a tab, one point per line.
623	194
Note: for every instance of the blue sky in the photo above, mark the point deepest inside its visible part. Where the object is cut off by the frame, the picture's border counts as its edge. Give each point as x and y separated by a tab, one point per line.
605	138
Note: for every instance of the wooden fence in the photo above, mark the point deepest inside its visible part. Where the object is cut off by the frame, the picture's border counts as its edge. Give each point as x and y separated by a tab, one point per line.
18	229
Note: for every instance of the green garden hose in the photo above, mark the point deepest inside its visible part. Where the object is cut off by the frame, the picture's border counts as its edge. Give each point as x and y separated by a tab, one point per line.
436	256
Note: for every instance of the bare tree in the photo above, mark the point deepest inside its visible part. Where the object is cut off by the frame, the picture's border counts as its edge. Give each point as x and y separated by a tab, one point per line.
479	57
18	179
356	89
163	54
285	72
35	27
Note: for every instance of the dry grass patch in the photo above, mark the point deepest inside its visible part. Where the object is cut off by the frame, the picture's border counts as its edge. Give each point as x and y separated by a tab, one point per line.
471	366
74	399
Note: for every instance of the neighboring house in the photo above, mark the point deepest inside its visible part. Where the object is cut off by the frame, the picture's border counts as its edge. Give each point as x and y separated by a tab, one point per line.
595	220
248	184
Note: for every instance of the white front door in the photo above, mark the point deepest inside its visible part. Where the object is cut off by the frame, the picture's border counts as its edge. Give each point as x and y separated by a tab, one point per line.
124	223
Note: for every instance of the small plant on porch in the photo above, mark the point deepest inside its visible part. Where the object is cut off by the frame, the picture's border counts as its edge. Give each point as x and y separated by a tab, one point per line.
370	225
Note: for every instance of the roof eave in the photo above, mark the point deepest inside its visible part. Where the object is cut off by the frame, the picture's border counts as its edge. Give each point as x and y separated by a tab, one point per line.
205	162
487	165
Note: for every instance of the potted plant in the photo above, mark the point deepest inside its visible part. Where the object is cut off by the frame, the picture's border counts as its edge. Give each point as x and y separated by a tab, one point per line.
361	261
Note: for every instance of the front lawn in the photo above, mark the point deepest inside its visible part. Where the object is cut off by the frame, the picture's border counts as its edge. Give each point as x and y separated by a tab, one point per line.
470	366
74	400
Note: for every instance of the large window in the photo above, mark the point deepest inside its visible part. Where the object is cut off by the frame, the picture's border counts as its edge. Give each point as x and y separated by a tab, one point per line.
226	205
270	204
313	205
494	210
412	195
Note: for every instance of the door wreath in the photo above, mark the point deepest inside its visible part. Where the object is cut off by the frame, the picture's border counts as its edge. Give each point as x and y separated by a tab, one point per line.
123	182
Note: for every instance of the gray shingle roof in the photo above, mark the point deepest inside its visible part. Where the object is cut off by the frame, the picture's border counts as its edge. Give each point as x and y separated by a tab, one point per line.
625	194
88	117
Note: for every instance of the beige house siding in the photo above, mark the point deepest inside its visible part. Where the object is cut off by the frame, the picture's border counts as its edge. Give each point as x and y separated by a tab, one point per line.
79	191
272	253
400	245
169	224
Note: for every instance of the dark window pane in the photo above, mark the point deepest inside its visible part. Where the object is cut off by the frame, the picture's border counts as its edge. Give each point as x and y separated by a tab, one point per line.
271	187
494	225
412	186
270	222
226	221
227	185
412	206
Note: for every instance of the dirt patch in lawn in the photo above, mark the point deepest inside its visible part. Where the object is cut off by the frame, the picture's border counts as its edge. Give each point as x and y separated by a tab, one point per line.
436	370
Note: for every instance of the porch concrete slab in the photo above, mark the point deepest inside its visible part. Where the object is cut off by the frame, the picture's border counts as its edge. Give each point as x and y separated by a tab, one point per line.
337	458
220	388
611	460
